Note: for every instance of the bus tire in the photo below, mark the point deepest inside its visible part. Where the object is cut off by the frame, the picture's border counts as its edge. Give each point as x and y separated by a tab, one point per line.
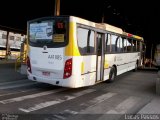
112	74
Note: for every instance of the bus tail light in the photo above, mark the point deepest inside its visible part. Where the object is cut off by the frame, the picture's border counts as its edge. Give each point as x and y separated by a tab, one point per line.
29	65
67	69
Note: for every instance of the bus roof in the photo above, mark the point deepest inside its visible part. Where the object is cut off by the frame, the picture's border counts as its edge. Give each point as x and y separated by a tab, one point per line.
82	21
112	28
103	26
133	36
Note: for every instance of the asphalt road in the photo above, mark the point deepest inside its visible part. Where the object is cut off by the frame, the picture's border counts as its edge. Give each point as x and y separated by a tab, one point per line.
22	99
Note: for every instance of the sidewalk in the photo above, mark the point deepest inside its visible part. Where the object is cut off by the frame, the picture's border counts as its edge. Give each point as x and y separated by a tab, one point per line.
8	73
7	61
153	107
149	68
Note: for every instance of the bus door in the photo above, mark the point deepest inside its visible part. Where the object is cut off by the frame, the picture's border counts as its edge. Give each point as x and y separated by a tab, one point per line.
100	57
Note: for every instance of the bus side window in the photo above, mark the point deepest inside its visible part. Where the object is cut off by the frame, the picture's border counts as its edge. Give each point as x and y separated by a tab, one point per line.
138	46
113	43
99	43
4	36
90	42
108	43
11	37
124	44
134	45
119	46
86	41
129	45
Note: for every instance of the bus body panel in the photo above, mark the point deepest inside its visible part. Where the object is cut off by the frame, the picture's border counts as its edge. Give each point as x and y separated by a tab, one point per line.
3	38
124	62
10	49
84	68
80	74
156	61
48	64
69	82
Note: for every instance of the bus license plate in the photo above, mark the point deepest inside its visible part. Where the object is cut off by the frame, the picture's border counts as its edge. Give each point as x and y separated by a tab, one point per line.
46	73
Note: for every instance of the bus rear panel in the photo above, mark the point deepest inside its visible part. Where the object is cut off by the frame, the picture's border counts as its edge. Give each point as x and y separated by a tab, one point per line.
46	61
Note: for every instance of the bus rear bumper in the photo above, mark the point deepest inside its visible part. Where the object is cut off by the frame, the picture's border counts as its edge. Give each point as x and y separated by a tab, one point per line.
58	82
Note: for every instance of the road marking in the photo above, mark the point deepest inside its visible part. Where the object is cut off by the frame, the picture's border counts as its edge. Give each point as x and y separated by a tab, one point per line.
17	92
98	99
95	101
124	106
54	102
63	115
59	117
102	98
92	107
17	99
70	112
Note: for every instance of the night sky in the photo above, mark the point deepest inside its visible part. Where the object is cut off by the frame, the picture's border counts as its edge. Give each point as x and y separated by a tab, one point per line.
133	16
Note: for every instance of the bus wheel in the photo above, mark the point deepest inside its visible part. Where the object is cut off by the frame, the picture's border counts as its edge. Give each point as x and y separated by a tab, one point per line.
112	74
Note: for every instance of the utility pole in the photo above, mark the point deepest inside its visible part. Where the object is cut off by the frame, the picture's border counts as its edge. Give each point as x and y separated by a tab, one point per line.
151	56
103	12
103	18
7	46
57	8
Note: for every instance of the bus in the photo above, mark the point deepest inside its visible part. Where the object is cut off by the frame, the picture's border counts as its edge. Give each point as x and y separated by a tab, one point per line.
3	38
74	52
10	49
156	61
14	42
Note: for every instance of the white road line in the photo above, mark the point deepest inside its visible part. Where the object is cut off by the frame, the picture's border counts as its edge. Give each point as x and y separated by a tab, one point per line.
70	112
123	107
92	107
98	99
59	117
50	103
62	115
17	92
17	99
102	98
95	101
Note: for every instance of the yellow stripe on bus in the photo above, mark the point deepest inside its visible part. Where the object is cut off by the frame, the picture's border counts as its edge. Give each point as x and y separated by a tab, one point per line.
82	67
106	64
72	48
137	37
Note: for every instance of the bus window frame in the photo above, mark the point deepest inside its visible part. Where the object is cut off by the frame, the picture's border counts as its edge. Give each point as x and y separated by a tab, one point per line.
89	29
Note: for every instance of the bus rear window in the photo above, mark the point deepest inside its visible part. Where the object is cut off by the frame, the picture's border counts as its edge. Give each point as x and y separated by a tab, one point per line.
52	33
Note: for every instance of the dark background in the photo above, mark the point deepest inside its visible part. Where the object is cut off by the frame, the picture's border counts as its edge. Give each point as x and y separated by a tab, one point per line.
133	16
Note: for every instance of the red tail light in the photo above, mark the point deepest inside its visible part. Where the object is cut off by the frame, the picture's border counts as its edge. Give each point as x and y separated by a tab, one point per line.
29	65
67	69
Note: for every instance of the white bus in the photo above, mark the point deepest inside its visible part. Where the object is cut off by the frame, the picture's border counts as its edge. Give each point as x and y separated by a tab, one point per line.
13	44
156	61
73	52
3	38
